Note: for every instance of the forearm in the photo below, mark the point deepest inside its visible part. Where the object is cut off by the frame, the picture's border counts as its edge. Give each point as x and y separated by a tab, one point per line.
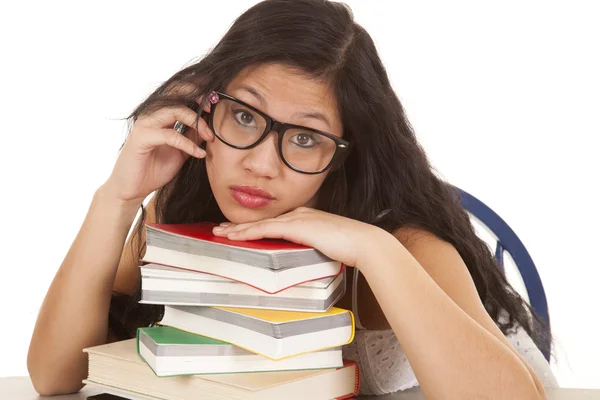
452	355
74	314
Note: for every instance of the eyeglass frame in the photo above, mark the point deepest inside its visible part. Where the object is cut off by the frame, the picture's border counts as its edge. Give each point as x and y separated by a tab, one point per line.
280	128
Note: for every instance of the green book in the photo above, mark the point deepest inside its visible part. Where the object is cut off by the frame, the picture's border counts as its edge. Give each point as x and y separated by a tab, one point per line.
170	351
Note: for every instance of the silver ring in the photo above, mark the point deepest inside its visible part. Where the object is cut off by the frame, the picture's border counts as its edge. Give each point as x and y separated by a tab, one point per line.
179	127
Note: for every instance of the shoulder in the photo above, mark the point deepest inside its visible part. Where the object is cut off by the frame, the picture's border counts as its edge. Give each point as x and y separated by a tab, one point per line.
423	243
412	235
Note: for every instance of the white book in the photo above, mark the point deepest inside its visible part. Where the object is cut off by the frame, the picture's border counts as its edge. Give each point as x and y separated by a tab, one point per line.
173	286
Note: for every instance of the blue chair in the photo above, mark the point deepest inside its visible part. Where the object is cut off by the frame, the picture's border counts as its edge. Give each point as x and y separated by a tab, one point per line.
508	241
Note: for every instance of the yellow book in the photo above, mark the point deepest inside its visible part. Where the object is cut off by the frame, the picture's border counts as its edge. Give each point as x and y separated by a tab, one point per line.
270	333
277	316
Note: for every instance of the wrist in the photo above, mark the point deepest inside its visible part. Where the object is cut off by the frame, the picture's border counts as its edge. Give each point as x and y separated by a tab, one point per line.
126	209
377	246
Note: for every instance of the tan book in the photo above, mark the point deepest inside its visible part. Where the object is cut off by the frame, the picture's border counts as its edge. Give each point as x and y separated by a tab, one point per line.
118	368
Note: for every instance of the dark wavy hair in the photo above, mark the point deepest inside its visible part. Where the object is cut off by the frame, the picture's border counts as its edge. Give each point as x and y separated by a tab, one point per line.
385	180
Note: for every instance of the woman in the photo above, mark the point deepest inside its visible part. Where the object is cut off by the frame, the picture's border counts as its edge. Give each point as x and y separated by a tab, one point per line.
293	131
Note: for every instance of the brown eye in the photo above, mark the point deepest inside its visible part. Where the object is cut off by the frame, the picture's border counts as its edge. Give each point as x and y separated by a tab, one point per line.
243	117
304	140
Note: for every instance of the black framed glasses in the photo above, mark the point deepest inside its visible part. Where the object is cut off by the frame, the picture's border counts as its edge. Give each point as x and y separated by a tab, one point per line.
241	126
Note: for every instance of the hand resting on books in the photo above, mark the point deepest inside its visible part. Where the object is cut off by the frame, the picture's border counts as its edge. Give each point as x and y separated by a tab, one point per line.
339	238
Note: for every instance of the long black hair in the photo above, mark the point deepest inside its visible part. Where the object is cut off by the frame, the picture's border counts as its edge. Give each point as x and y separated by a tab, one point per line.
385	180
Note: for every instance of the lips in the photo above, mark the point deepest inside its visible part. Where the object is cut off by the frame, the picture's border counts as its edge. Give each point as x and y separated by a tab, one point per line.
250	196
254	191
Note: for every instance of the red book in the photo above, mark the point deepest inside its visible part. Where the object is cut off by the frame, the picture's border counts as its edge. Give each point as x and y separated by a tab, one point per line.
271	265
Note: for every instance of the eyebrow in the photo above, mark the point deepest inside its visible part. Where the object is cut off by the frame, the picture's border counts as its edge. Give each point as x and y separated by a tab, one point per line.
310	114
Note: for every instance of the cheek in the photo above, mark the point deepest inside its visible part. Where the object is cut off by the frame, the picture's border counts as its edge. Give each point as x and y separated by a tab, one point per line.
212	149
219	154
304	189
217	158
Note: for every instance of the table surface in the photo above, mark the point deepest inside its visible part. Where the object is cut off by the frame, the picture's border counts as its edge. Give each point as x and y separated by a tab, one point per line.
20	388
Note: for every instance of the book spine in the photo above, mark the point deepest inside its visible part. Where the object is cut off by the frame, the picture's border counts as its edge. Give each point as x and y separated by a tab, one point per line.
137	340
350	396
357	380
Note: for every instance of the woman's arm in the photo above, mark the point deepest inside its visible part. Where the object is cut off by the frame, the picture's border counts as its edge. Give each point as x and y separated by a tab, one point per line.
428	298
74	314
431	303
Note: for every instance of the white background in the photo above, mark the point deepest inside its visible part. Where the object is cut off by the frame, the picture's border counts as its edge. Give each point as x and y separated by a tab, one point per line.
504	97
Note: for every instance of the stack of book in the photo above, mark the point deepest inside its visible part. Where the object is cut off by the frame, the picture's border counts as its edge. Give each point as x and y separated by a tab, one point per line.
190	266
243	320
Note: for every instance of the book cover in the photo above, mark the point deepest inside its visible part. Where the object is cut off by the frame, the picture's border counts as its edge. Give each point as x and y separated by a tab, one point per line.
278	317
203	231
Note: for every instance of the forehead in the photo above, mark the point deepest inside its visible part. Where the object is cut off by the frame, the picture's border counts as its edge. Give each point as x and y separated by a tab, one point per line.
288	95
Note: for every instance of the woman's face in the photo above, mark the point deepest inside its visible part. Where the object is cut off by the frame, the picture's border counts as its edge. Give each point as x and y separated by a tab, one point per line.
255	184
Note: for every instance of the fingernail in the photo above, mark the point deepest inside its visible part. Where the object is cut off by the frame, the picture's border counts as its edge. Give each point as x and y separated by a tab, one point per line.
200	152
225	223
218	228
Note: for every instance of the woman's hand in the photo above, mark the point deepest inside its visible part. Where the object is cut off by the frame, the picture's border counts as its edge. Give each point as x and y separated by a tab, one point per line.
154	152
339	238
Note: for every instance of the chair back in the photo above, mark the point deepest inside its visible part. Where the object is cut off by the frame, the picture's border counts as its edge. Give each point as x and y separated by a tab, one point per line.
508	241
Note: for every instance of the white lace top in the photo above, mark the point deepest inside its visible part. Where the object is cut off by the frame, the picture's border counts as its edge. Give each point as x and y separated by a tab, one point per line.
384	367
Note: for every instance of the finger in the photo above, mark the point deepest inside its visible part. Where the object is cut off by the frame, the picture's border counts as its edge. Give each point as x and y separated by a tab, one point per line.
204	132
198	134
255	231
273	229
174	139
181	119
201	130
227	227
174	117
260	229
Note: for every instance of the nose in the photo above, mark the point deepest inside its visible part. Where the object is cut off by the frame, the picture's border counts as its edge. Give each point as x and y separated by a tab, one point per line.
263	160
